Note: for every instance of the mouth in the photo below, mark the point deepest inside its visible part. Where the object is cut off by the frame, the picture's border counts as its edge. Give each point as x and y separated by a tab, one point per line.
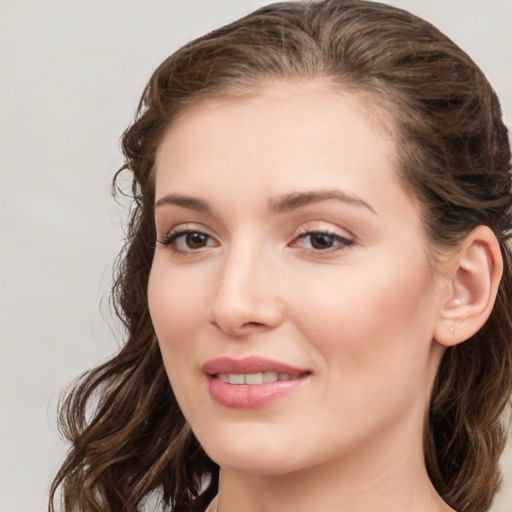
252	382
252	379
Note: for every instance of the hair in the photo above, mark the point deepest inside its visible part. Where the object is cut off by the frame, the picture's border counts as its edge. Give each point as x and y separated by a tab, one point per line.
129	439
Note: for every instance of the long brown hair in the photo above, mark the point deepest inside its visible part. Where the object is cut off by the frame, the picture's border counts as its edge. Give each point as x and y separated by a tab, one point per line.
129	438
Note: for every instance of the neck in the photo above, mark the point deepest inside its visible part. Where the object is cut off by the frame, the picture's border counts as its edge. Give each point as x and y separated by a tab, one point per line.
386	478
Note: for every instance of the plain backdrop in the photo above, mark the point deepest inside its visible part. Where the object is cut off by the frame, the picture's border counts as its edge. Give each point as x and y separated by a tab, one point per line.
71	73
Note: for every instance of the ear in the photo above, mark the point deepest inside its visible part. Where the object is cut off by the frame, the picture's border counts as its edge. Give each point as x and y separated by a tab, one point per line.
473	276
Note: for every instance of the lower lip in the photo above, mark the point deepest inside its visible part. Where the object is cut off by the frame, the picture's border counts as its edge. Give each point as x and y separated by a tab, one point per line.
253	396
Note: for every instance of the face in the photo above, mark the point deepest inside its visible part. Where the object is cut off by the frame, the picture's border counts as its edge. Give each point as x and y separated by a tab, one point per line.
291	291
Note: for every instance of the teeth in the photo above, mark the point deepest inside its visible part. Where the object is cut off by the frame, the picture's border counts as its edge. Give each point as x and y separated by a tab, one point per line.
270	377
236	379
254	378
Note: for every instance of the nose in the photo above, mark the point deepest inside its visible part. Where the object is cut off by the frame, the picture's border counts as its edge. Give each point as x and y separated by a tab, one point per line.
247	297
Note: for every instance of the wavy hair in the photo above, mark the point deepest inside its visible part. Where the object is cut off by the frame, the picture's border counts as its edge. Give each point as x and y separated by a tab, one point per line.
129	440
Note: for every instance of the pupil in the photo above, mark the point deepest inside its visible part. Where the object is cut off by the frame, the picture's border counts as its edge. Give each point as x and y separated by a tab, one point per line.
196	240
321	241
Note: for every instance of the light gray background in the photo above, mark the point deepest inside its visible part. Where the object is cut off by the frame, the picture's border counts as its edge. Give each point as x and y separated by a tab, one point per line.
71	72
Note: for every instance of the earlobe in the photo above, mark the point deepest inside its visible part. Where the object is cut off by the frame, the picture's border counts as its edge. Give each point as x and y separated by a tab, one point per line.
474	275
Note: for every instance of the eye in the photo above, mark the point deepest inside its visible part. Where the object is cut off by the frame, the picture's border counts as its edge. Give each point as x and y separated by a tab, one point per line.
187	241
322	241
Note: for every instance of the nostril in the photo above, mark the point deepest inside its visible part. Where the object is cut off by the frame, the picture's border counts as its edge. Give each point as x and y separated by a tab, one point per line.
238	330
252	324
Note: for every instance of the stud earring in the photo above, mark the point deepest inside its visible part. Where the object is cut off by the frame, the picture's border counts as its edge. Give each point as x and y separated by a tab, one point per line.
452	330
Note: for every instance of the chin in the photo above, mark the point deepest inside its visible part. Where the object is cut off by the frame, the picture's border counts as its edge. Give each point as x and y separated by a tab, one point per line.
241	454
263	465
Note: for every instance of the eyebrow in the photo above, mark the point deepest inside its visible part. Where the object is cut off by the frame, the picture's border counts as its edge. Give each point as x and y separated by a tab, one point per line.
293	201
281	204
192	203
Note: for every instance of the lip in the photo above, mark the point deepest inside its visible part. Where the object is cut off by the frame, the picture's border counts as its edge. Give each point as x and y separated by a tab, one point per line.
254	396
249	365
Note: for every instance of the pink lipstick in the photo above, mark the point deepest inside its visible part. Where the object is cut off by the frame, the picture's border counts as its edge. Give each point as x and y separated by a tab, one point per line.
252	382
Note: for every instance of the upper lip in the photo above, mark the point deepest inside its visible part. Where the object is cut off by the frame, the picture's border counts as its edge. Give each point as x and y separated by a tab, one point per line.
248	365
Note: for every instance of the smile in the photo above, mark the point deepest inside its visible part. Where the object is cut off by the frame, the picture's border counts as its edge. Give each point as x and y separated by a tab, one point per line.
255	378
252	382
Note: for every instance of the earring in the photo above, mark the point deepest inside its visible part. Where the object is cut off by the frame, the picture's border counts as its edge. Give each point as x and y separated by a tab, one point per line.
452	330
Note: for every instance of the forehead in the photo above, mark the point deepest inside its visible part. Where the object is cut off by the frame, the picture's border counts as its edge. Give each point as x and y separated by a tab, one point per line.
314	117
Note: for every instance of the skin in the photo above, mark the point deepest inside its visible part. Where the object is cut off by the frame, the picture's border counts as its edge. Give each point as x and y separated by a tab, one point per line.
359	315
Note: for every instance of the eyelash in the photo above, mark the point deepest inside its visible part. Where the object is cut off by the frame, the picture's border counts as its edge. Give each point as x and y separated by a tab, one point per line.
170	241
343	243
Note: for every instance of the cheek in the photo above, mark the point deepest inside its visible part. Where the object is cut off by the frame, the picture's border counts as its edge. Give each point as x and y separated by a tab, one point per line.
177	302
369	315
373	344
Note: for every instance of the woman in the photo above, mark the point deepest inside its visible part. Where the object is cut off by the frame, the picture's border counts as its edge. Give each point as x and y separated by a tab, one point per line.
317	262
